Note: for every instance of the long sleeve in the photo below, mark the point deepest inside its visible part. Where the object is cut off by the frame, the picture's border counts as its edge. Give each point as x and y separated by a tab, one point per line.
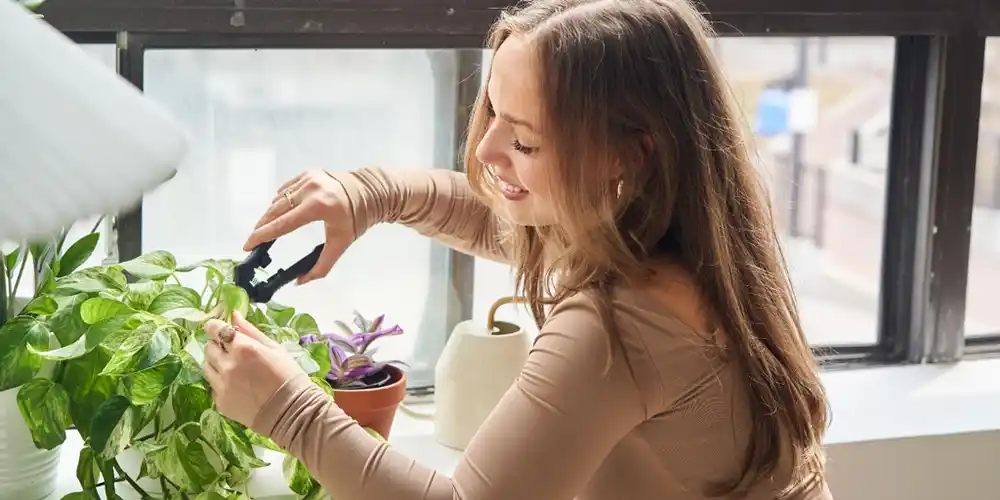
436	203
545	440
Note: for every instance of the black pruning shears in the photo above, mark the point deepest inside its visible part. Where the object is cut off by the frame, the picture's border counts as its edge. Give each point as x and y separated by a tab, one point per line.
245	273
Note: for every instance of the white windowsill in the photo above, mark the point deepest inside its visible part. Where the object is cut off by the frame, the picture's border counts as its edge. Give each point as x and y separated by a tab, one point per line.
868	404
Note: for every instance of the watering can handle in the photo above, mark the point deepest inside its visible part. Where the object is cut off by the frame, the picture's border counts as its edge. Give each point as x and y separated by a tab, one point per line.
491	317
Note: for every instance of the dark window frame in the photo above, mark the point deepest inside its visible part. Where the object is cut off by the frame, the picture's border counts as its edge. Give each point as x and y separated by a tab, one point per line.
936	100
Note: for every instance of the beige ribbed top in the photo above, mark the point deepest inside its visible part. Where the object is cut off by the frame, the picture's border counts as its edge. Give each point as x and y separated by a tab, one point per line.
667	420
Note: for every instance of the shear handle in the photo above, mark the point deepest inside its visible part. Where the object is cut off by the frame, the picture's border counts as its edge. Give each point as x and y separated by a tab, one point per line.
286	276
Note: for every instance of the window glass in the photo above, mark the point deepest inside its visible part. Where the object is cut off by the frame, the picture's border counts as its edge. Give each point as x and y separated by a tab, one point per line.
258	118
982	316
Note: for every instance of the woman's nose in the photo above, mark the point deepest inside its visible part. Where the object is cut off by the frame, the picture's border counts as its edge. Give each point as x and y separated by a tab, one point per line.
488	151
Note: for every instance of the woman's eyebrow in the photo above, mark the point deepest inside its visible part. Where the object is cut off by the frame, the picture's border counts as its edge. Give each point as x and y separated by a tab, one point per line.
517	121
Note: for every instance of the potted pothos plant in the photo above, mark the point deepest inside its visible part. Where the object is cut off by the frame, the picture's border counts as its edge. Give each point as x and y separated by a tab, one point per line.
27	465
127	374
369	391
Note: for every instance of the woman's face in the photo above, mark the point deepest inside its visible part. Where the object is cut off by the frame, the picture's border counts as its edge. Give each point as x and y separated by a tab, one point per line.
514	148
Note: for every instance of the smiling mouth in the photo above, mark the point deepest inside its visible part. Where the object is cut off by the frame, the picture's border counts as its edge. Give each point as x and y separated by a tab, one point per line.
511	189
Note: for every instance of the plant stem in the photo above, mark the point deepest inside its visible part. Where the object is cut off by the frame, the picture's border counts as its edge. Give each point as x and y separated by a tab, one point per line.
97	224
117	480
108	471
135	486
17	282
5	297
157	428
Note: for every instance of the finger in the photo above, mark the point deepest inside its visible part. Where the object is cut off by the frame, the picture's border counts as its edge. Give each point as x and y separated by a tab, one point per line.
214	356
291	189
332	252
277	208
214	379
213	327
284	224
293	181
247	329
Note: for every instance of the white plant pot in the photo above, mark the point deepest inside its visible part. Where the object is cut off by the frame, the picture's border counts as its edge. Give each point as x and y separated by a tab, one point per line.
474	371
72	126
26	472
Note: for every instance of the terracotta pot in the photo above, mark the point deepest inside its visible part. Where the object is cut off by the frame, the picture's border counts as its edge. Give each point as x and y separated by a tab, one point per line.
374	408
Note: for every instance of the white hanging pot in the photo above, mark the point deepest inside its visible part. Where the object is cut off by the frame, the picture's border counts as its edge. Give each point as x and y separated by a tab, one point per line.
26	472
78	140
478	365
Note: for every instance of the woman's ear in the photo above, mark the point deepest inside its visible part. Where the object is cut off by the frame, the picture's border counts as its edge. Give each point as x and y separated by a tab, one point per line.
647	145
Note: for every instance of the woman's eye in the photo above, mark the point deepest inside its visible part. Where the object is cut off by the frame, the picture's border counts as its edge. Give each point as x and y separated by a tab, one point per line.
520	148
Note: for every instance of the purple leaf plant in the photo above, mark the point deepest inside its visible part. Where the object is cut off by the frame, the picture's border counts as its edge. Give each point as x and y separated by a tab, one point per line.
351	361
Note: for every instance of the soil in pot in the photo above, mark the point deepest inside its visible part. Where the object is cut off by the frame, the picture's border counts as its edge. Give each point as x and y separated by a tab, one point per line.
375	406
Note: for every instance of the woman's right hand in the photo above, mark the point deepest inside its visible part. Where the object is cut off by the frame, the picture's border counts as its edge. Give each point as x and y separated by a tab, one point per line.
309	197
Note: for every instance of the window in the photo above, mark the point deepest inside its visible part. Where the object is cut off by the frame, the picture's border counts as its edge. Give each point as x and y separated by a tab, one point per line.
844	183
819	110
260	117
982	316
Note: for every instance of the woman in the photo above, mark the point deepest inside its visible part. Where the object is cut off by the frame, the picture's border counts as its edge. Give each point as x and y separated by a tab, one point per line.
607	165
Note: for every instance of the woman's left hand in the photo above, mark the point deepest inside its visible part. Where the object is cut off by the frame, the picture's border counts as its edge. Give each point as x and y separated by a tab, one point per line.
245	372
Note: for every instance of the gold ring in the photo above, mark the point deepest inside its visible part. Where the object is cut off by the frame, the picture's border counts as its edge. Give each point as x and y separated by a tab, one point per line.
288	198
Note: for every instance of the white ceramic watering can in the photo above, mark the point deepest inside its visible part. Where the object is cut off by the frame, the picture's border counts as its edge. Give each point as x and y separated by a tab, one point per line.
478	365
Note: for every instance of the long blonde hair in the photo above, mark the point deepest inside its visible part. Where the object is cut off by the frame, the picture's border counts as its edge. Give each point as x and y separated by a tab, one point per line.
634	83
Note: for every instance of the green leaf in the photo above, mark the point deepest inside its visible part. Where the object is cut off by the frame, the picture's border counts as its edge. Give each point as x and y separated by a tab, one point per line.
156	265
93	280
262	441
217	272
304	324
67	322
186	461
111	427
210	495
145	346
142	293
45	281
320	380
217	432
190	401
10	261
80	495
320	353
99	308
89	341
302	356
281	314
86	388
298	477
88	471
44	405
41	306
146	385
234	298
191	370
175	297
186	313
78	253
257	318
20	339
